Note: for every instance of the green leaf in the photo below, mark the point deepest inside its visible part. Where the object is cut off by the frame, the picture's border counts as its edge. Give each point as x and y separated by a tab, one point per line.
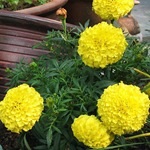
57	87
87	23
76	83
49	137
105	83
66	134
55	63
14	2
57	141
28	1
26	143
56	129
38	130
119	146
41	147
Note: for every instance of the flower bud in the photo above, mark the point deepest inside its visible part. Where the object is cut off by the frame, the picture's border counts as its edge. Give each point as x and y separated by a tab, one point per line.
62	13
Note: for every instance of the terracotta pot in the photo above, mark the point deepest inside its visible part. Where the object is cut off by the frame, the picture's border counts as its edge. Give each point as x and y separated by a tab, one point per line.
45	8
18	34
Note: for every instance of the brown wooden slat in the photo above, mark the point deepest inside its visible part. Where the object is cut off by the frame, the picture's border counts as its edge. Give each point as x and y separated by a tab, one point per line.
3	89
2	72
21	50
13	40
6	64
21	34
15	57
3	80
3	26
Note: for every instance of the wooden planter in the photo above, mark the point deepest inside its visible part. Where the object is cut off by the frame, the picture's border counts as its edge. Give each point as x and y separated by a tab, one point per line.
18	34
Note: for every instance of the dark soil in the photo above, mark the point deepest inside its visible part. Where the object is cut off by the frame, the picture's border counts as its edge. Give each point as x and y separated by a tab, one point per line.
8	140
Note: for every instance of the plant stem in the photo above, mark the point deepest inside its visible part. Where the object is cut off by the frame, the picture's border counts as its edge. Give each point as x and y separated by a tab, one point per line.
141	72
64	27
138	136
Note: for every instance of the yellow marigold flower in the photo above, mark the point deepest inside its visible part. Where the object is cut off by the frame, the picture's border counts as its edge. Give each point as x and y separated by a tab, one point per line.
112	9
123	108
90	131
101	45
21	108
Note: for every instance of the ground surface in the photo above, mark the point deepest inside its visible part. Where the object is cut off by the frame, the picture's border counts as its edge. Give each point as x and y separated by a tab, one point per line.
8	140
142	14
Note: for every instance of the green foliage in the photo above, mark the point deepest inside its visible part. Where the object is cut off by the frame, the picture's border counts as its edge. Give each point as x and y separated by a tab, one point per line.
70	88
59	44
136	56
19	4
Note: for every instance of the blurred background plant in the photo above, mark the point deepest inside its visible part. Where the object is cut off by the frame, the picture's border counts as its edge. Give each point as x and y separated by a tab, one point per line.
20	4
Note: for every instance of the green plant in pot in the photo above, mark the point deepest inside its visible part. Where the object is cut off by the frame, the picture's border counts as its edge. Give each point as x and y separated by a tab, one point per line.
33	7
19	4
86	94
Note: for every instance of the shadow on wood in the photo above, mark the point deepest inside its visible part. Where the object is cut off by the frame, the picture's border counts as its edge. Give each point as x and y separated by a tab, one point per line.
78	11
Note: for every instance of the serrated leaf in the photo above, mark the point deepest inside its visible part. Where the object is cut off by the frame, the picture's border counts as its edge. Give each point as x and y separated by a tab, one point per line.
26	143
57	141
49	137
56	129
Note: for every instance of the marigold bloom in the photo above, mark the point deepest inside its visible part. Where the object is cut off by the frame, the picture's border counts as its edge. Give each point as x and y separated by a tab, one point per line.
112	9
123	108
101	45
21	108
90	131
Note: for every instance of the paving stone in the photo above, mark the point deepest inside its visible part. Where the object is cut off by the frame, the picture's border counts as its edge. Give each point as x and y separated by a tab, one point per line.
141	13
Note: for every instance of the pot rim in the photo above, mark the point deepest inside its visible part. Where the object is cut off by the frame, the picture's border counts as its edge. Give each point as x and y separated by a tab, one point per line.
27	19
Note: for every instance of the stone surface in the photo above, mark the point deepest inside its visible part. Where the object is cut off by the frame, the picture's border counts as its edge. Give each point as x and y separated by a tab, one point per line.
141	13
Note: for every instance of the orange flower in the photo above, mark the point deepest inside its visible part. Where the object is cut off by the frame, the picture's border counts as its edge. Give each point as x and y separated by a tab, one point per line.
62	13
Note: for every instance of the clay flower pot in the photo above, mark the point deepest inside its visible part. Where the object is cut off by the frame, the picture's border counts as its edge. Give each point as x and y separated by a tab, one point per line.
45	8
